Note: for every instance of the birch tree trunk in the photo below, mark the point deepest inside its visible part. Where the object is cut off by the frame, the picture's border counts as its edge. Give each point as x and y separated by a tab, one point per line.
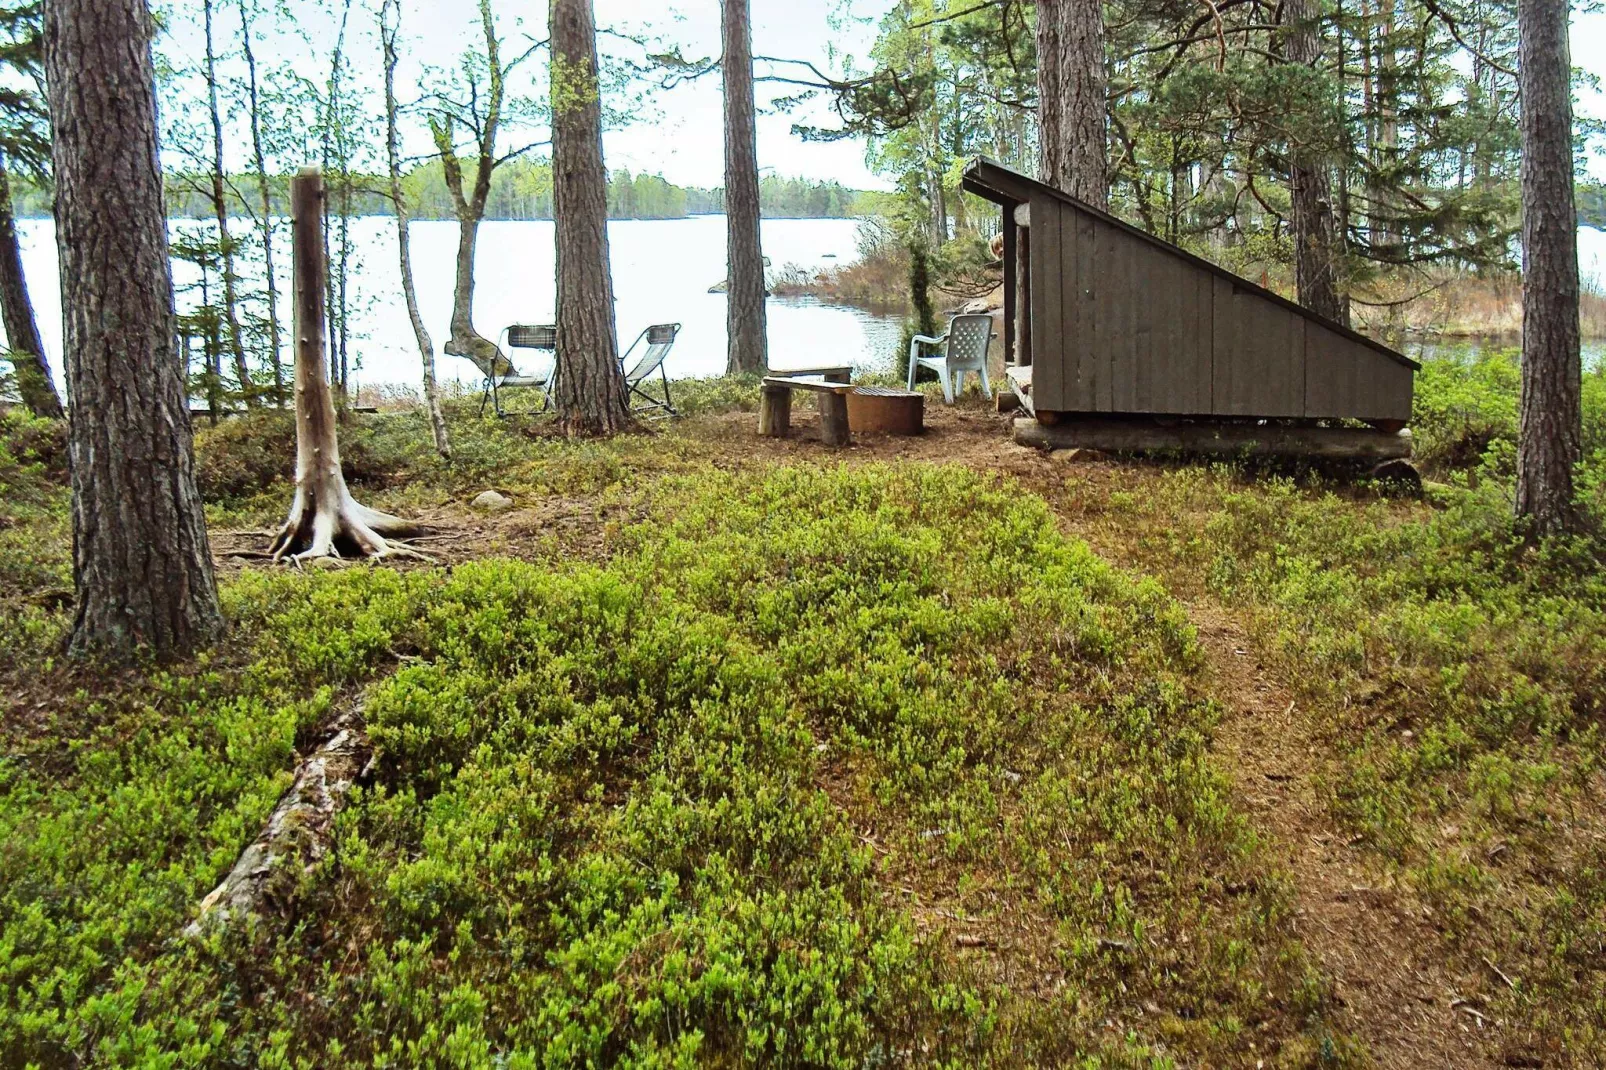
141	564
590	390
27	350
225	243
1316	245
260	161
1072	98
464	340
1550	432
389	31
745	326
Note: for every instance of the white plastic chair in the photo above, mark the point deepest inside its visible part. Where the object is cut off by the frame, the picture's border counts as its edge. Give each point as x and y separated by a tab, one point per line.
963	349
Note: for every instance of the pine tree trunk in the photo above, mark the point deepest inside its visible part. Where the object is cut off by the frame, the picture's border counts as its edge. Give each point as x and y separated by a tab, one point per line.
141	563
1549	434
1316	256
745	326
590	391
1072	98
27	349
1050	94
389	29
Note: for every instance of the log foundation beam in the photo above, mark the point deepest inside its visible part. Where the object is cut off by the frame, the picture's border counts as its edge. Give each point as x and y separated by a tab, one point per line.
1072	431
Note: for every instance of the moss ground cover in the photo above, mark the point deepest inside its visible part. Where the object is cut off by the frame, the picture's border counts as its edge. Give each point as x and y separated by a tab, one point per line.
804	774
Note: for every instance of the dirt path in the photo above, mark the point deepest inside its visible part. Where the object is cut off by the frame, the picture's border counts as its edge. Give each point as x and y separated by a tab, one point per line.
1392	987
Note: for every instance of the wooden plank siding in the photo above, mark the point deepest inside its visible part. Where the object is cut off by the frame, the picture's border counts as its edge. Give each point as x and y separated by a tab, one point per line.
1121	322
1343	378
1048	329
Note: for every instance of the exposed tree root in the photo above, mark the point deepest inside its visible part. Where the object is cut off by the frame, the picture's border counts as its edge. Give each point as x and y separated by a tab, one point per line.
298	830
334	524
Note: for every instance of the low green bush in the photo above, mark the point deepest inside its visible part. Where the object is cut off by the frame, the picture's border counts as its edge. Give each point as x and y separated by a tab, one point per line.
719	801
1466	406
35	530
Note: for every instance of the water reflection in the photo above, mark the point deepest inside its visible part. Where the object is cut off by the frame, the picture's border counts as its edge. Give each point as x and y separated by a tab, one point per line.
662	270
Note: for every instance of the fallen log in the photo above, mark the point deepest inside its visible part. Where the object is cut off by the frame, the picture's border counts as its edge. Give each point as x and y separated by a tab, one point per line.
298	831
1207	437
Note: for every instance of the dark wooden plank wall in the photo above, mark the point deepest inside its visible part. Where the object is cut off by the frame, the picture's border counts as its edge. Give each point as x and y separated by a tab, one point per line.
1120	325
1049	335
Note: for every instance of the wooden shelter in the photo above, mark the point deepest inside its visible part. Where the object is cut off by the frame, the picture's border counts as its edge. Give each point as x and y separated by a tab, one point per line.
1114	323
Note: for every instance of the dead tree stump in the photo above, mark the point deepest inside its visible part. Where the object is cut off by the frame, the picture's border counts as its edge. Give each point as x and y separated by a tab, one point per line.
324	520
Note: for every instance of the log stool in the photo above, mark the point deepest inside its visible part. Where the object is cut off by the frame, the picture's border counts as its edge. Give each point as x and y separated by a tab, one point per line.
886	409
775	407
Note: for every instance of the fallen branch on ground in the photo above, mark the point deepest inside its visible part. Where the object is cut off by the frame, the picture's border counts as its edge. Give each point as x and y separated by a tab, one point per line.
298	830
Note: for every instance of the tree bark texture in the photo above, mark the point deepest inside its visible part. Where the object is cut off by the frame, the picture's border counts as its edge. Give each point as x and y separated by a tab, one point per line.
141	564
27	350
1072	98
1023	297
324	520
745	325
590	390
1550	433
1316	252
389	31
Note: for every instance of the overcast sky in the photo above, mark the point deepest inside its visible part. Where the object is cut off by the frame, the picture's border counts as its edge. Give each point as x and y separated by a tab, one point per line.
679	133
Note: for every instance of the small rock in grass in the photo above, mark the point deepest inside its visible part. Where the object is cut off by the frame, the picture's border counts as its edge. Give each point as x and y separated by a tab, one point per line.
1077	455
489	501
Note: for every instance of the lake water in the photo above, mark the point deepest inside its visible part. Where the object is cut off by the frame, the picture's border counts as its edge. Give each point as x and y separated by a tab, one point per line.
662	270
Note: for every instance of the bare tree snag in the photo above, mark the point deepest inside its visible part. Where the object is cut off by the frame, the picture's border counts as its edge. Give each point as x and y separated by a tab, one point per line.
324	520
297	832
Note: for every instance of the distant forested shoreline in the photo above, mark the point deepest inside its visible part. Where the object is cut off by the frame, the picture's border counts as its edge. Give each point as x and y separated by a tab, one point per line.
520	189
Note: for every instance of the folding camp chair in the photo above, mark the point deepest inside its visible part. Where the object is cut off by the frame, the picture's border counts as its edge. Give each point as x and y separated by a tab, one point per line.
660	338
499	372
964	348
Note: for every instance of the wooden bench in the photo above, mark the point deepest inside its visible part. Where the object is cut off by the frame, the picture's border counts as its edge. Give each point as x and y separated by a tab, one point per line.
831	373
775	407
